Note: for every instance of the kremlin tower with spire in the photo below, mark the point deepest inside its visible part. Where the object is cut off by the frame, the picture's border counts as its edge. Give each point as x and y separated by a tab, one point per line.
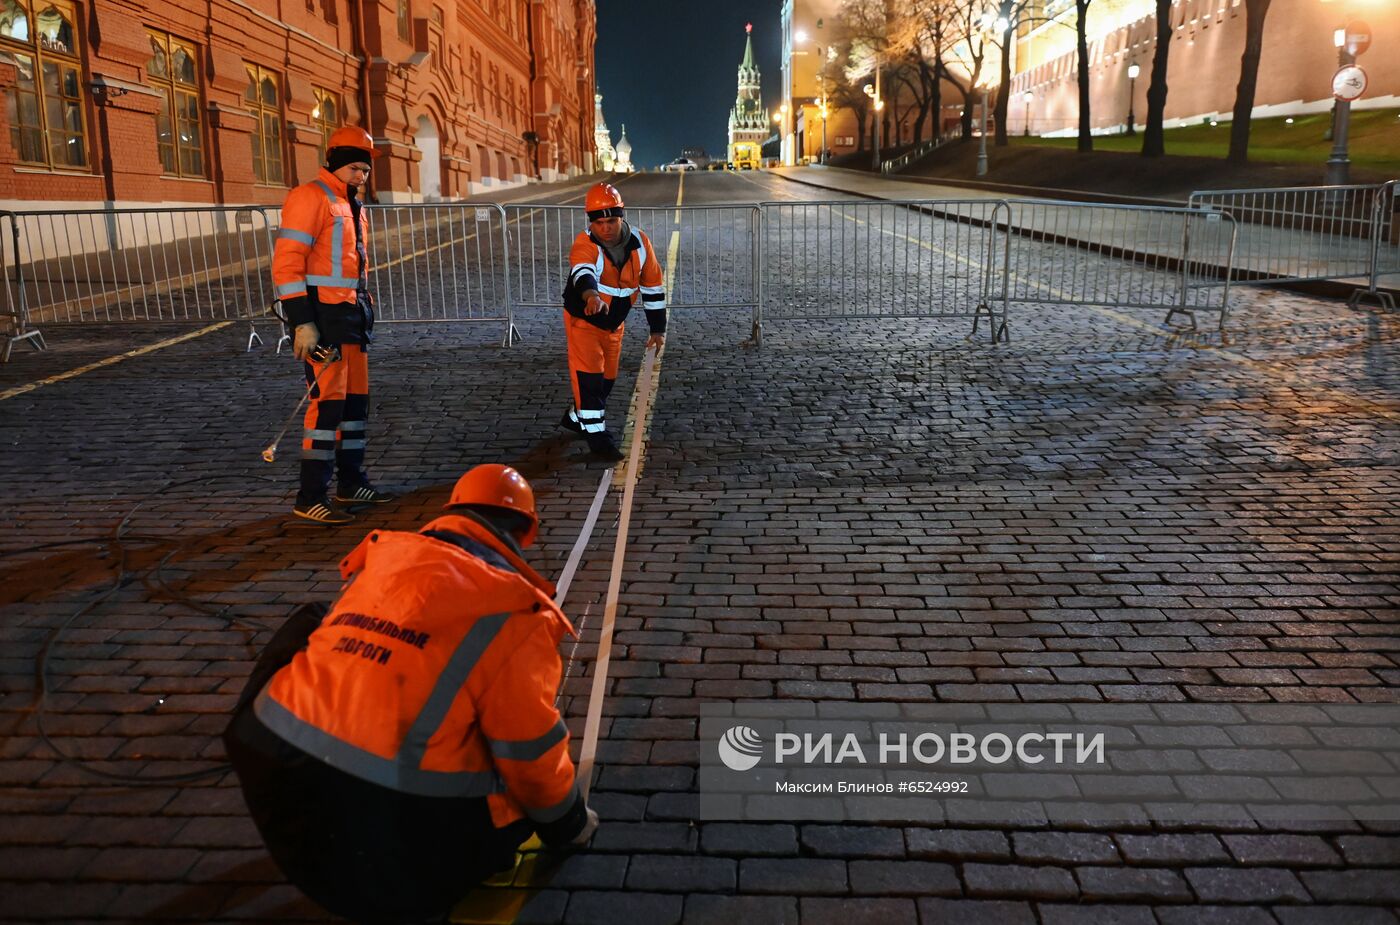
748	124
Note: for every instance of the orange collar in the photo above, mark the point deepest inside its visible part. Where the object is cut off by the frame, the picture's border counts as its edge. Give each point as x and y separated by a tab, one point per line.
334	182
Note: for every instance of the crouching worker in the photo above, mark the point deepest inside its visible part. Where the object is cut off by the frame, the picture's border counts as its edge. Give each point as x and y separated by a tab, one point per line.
397	750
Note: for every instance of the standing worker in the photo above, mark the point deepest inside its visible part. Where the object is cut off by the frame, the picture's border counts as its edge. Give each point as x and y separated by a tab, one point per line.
397	751
609	264
320	272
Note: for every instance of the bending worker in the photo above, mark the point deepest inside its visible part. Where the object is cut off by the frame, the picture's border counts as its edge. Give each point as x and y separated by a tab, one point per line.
398	750
609	265
319	271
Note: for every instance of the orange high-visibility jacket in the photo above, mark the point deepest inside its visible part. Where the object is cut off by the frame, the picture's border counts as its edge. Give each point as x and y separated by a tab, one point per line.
591	268
316	243
435	674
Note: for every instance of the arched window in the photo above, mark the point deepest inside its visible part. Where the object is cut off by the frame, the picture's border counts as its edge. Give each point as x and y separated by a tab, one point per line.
263	100
174	71
45	106
326	115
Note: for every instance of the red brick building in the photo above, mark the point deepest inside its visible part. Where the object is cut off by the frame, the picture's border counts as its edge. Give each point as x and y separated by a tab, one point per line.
230	101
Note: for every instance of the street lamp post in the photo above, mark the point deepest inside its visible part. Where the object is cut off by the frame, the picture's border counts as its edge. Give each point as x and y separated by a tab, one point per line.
1338	162
823	111
879	105
1028	97
982	146
1133	71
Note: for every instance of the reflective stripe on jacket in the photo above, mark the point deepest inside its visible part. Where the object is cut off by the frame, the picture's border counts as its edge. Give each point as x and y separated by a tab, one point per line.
435	674
591	268
317	243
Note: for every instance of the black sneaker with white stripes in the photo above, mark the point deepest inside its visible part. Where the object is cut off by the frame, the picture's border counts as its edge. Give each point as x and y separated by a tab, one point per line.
363	494
322	512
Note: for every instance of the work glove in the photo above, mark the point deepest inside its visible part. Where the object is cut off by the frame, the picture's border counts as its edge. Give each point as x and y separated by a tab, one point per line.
304	342
593	303
589	828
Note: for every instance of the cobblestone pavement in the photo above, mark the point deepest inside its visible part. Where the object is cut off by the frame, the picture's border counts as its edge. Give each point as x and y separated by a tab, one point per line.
859	511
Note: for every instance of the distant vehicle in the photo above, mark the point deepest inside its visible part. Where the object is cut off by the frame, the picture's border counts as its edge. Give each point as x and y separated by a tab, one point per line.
717	165
680	163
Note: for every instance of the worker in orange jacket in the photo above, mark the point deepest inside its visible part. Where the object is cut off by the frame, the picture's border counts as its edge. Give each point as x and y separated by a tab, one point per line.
320	272
610	264
398	750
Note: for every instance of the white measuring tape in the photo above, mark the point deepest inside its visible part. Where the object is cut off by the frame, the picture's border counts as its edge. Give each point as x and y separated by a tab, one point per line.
589	750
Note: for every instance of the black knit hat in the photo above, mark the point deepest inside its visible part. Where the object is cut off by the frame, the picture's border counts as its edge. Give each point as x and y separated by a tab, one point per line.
615	211
337	158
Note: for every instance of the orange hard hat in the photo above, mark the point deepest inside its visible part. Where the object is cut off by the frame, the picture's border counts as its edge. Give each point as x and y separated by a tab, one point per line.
352	136
602	201
495	485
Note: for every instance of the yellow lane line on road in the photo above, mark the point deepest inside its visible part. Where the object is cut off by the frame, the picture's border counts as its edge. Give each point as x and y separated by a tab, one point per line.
1273	369
31	386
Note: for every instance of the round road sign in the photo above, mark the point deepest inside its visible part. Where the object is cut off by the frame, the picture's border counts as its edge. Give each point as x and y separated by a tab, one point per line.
1358	37
1348	83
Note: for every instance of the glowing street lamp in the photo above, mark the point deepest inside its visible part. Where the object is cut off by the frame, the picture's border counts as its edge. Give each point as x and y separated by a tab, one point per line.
1133	72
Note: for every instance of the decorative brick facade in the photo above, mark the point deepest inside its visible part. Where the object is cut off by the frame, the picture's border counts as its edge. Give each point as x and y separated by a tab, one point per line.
461	95
1295	70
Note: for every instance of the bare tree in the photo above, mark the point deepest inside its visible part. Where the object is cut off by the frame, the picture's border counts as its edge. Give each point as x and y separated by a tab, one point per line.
845	93
967	45
1009	14
935	22
1081	11
1153	143
1255	12
879	34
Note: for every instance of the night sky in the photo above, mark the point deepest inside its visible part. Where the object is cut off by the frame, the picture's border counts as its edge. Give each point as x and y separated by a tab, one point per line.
669	70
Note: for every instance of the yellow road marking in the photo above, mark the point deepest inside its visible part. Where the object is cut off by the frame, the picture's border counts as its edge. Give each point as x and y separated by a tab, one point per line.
151	348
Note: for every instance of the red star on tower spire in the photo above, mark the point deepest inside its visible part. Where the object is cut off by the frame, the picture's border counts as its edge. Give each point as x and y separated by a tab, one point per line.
748	27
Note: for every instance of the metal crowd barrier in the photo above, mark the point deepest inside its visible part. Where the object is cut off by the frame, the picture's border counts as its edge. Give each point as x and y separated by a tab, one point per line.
14	311
440	262
139	265
936	259
709	253
1313	233
1125	256
786	261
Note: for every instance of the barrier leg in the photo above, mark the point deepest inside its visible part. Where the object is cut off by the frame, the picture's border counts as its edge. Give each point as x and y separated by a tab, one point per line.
1384	299
1180	310
36	340
512	336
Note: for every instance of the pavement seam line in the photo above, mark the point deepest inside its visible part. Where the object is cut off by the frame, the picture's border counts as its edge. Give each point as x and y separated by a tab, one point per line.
149	348
637	416
637	425
589	748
